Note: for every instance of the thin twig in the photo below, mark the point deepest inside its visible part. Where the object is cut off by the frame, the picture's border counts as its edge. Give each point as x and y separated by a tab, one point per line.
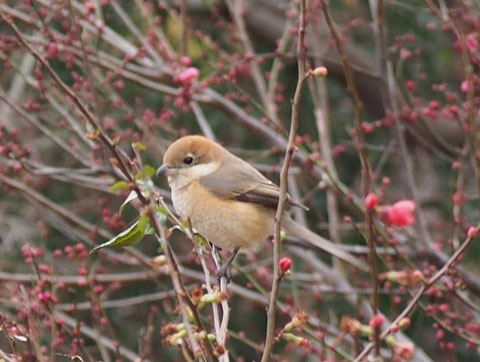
271	313
74	98
183	297
414	301
225	309
107	342
365	163
236	11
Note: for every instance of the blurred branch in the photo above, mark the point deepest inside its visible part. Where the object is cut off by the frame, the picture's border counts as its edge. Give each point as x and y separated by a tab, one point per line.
236	10
92	334
359	137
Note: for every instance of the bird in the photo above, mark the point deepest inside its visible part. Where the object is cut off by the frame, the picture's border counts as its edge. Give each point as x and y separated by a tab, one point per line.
230	203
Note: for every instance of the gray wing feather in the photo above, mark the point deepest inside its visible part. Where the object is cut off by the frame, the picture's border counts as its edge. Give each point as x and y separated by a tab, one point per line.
236	179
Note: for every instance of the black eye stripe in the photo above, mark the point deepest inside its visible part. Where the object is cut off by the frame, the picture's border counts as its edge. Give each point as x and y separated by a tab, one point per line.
188	160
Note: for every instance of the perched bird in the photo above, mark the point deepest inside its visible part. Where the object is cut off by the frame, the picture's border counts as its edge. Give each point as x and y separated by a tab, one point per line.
228	201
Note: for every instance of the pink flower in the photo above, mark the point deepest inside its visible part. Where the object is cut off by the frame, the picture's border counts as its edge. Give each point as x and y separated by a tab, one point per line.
285	264
91	6
411	85
376	321
320	72
471	42
371	201
400	213
186	61
188	76
465	86
472	232
404	350
45	269
52	51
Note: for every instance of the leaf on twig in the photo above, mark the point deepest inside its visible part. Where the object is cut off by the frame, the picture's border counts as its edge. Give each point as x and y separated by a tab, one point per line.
139	146
131	236
147	171
20	338
131	196
119	185
200	240
92	132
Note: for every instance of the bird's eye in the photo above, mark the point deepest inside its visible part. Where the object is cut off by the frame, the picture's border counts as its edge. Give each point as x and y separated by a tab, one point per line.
188	160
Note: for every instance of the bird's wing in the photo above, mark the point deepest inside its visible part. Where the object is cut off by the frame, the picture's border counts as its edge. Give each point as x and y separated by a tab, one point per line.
238	180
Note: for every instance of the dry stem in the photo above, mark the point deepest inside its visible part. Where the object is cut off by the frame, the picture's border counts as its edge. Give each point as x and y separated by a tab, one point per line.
283	185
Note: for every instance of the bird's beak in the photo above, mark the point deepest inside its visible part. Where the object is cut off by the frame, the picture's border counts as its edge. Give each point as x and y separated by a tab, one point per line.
161	170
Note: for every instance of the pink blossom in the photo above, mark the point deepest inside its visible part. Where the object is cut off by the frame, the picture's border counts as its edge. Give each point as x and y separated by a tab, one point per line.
45	269
472	232
186	61
465	86
376	321
320	72
285	264
458	198
404	350
471	42
52	51
411	85
91	6
400	213
188	76
371	201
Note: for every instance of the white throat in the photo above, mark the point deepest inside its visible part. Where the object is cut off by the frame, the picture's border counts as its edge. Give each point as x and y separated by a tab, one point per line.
185	176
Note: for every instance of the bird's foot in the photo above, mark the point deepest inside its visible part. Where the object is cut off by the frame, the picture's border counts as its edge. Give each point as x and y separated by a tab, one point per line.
223	273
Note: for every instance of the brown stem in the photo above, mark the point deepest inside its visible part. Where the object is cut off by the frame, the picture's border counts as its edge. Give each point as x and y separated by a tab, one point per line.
283	185
181	292
363	153
74	98
414	301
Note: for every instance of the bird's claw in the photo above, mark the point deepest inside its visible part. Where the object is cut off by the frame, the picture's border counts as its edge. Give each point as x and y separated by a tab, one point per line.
223	273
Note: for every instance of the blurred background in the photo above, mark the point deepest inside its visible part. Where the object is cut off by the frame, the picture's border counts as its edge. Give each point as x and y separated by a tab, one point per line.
149	72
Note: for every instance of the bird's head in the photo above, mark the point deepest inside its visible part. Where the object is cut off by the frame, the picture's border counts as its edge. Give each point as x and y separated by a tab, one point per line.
190	158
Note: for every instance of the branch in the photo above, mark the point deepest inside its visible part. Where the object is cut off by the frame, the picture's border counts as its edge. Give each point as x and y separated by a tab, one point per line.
365	163
283	185
413	303
235	10
74	98
107	342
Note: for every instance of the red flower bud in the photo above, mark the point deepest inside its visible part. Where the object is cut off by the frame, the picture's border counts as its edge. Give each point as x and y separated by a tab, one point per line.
472	232
371	201
320	72
376	321
188	76
404	350
400	213
285	264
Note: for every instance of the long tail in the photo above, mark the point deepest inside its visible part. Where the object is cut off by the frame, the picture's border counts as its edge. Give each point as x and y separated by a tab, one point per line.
295	229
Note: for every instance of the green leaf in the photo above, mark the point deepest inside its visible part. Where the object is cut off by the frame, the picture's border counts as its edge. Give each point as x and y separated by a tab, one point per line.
148	170
130	236
131	196
200	240
139	146
120	185
89	127
162	210
149	230
186	224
